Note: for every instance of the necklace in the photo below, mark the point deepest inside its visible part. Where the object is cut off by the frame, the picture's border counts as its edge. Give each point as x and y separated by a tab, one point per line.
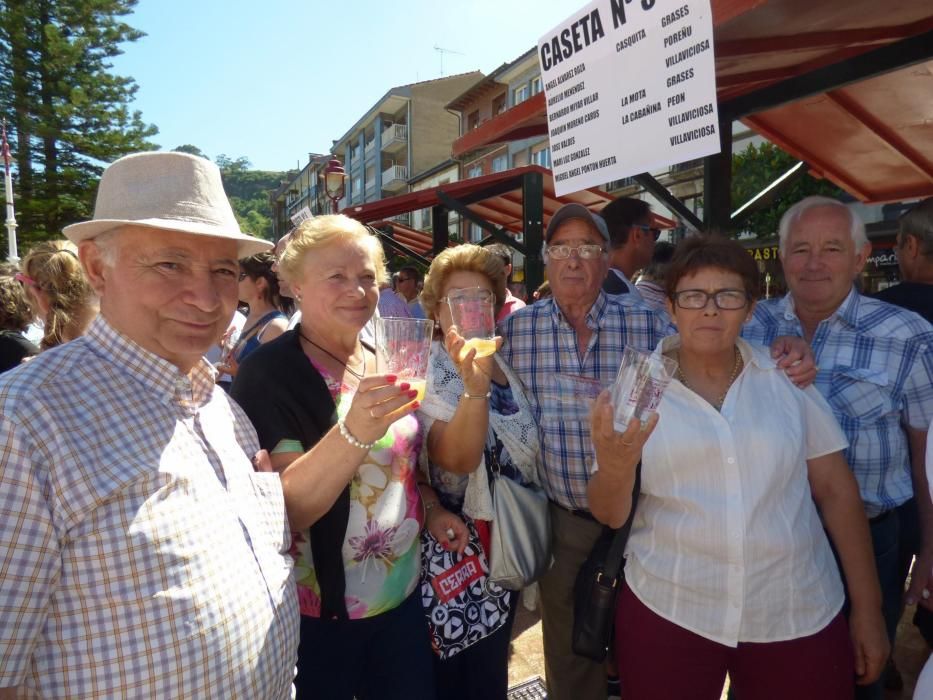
722	397
358	375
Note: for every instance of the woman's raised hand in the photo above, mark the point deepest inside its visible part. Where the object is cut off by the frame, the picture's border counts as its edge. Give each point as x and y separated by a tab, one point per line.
476	373
380	400
614	450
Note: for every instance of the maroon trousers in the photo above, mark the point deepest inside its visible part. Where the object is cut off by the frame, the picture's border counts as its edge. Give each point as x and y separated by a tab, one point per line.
658	660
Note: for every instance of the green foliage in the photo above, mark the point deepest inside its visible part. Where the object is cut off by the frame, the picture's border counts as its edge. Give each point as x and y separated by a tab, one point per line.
248	191
192	150
68	113
757	167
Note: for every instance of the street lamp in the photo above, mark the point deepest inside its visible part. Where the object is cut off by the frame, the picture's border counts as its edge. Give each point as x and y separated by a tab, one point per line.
334	176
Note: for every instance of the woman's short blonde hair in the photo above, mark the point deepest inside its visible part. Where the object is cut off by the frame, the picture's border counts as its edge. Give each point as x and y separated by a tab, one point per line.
322	231
468	258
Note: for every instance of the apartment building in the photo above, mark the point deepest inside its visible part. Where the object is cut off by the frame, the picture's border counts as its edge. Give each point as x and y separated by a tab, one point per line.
407	131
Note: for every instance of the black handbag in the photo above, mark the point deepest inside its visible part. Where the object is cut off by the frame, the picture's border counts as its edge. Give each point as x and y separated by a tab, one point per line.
597	587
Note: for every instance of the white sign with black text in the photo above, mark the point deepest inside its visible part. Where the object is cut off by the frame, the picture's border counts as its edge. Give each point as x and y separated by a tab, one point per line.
630	88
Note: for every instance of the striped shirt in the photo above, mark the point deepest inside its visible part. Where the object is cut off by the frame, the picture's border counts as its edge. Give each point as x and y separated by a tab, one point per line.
539	342
142	556
876	372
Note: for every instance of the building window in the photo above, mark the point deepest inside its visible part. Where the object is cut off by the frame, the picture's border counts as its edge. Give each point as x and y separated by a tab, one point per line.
357	188
475	171
500	163
542	157
519	95
535	85
472	120
476	233
498	104
426	219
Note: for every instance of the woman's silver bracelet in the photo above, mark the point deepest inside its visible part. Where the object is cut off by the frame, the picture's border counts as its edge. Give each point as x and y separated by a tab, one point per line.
468	395
348	436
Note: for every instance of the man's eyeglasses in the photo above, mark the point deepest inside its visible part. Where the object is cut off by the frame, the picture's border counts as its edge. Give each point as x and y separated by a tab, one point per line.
588	251
725	299
655	232
243	276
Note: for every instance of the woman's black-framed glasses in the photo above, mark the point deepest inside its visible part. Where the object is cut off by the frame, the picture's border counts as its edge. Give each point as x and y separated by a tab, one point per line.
724	299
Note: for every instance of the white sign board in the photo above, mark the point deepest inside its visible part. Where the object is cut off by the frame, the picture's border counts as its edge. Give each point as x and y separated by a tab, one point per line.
302	214
630	87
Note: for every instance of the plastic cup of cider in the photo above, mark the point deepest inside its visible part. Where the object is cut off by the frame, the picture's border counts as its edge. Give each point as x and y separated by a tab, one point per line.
472	311
403	346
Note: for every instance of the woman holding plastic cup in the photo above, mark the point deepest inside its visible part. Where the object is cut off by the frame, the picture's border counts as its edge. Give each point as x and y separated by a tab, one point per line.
728	567
475	416
344	439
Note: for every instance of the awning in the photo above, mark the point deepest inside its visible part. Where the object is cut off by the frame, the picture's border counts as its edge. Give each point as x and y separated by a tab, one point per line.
503	209
844	85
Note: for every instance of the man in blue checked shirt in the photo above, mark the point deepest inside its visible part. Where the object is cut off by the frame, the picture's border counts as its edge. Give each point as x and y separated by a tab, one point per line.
875	370
580	331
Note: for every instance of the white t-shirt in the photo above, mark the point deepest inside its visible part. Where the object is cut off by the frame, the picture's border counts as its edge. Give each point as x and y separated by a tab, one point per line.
726	540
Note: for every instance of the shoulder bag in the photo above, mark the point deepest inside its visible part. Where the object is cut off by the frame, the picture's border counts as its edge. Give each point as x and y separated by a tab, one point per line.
597	587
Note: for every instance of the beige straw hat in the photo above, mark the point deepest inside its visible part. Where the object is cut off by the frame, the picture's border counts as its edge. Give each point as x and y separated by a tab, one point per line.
170	191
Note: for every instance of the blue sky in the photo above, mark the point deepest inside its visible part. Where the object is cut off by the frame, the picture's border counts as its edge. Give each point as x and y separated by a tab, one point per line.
275	79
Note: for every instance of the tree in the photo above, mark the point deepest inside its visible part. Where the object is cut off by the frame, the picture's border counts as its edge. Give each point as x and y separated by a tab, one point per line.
757	167
193	150
69	114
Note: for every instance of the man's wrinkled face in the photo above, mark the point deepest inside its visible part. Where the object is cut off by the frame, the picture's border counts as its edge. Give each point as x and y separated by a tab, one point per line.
172	293
576	280
820	259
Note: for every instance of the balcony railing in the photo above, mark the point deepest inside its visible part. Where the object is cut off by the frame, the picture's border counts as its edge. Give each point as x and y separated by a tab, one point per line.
394	177
370	145
395	137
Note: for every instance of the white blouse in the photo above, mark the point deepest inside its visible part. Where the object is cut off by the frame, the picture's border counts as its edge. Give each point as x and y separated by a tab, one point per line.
726	540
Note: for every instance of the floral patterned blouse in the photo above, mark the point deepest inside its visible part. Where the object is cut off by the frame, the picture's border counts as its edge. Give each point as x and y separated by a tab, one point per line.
382	547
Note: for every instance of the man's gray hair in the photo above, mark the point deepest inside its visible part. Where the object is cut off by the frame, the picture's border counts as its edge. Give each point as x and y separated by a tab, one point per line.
793	215
918	222
107	245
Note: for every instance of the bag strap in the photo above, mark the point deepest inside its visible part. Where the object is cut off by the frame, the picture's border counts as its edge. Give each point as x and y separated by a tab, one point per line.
614	557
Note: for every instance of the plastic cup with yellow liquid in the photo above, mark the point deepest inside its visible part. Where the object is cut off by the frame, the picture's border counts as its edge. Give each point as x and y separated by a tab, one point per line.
403	346
472	311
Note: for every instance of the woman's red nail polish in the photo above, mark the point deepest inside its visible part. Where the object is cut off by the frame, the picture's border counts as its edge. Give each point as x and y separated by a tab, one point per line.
413	393
416	404
391	378
404	386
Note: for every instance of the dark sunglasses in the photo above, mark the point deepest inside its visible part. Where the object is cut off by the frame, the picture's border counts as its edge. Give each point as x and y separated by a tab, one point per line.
655	232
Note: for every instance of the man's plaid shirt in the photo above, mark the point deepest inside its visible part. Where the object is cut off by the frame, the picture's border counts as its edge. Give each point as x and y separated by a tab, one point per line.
540	343
876	371
140	554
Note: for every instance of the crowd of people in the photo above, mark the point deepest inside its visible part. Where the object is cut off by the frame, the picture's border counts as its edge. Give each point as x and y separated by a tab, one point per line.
280	535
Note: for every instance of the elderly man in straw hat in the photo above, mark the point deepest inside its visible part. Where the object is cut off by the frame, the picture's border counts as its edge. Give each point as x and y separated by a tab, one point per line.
142	554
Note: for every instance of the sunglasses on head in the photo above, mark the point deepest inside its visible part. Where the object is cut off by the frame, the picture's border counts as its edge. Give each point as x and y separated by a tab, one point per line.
25	279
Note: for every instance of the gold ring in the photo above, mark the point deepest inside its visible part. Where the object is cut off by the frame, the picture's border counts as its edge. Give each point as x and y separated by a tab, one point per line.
627	444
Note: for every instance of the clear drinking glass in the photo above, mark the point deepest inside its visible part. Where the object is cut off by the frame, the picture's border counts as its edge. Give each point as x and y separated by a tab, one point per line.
568	397
472	311
639	385
402	348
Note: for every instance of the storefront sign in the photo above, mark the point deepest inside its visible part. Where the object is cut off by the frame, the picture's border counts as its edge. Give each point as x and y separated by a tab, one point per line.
630	88
767	253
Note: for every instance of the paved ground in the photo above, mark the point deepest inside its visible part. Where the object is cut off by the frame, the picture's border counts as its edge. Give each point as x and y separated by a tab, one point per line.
527	658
